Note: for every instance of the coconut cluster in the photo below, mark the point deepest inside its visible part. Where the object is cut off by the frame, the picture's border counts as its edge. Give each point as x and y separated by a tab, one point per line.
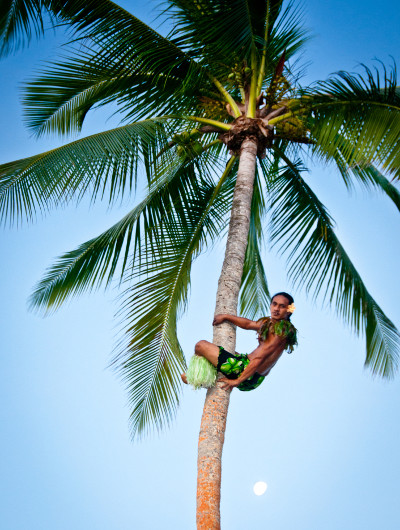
187	143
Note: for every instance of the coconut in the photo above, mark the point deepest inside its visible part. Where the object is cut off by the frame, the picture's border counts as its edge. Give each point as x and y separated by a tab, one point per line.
185	137
197	148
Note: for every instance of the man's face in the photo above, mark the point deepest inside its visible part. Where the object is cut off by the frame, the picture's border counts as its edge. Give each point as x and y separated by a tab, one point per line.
279	305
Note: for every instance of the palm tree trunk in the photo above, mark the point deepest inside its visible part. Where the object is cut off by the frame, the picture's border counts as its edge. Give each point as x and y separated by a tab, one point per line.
213	423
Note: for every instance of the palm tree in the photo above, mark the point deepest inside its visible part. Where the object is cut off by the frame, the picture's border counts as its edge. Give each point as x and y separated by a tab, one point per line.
223	79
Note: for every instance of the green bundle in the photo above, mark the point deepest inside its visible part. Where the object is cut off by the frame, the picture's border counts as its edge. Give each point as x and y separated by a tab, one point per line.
201	373
281	328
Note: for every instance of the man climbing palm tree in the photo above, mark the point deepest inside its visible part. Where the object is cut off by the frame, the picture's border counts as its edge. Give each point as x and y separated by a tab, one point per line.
225	76
275	334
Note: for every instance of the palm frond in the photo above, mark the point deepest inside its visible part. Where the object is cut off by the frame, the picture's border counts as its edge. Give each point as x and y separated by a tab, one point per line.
219	26
19	21
150	358
379	181
122	36
362	110
254	295
104	164
223	34
303	227
112	29
106	256
366	175
60	98
287	35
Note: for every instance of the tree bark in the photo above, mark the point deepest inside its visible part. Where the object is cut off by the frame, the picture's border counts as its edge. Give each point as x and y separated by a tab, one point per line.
213	423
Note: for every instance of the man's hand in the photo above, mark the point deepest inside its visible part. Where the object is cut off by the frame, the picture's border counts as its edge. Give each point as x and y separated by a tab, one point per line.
228	383
218	319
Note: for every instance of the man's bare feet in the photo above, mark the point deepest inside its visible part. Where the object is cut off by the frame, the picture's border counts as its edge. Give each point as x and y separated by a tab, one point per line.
184	379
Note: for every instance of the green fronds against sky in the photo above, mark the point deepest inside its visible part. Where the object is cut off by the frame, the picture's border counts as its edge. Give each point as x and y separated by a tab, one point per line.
159	295
175	93
304	231
358	114
103	165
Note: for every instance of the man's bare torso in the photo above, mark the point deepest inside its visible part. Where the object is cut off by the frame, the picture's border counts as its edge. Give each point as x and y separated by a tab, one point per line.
268	350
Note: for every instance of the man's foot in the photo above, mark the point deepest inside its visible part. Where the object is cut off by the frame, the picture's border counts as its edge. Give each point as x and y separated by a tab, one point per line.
184	379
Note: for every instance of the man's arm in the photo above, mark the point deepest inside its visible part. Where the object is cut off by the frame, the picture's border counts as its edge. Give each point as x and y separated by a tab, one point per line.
243	323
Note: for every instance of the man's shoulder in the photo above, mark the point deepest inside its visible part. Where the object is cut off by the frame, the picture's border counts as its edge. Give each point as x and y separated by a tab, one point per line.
284	329
265	327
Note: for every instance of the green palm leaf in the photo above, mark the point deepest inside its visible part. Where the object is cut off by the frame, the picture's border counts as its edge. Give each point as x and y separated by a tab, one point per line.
19	19
379	181
102	164
254	294
365	112
286	35
222	31
121	35
59	100
222	27
367	175
150	358
114	32
98	260
302	226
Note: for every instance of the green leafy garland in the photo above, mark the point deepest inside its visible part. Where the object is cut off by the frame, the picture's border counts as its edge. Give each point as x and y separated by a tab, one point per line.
281	328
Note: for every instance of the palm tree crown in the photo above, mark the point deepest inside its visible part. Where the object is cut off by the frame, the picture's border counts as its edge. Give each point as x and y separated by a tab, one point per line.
225	73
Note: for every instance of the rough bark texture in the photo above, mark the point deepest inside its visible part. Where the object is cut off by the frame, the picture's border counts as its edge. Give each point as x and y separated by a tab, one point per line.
213	423
243	129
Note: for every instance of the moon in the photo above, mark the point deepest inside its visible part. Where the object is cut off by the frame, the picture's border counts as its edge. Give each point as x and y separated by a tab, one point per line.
260	488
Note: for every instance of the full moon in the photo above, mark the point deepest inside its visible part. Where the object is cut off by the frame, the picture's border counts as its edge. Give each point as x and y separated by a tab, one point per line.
260	488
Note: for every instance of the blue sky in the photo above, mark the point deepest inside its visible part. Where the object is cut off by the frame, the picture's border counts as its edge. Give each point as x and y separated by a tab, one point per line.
320	431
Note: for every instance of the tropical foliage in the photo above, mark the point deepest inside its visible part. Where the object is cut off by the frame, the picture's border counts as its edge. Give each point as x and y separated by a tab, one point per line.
226	71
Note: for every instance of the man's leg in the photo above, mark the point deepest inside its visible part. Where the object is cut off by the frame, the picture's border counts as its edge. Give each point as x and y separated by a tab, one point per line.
205	349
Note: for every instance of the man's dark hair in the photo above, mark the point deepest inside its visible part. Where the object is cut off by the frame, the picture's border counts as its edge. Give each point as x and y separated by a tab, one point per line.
286	295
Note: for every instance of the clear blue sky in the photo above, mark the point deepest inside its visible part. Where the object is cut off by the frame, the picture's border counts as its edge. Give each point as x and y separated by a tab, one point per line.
321	432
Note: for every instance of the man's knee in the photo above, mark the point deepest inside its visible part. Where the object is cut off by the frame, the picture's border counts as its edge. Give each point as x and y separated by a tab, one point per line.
200	347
